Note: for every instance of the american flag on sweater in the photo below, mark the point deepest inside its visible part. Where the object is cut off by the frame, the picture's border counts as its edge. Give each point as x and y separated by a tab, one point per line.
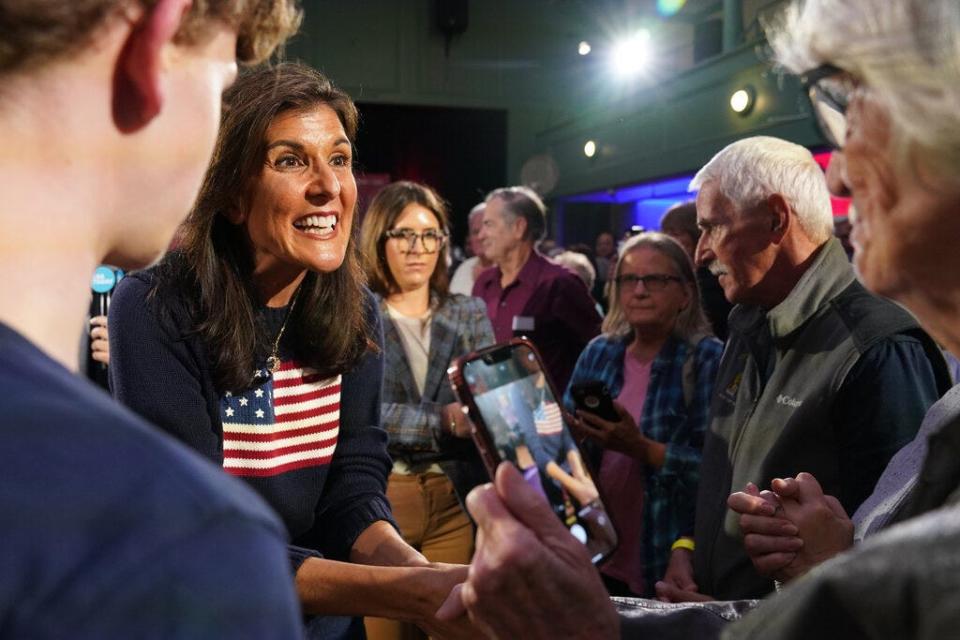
289	421
548	418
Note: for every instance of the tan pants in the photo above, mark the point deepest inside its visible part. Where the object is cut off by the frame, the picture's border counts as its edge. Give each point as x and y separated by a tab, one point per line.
432	522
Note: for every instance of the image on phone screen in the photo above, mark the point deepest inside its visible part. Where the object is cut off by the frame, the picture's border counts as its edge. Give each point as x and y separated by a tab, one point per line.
524	421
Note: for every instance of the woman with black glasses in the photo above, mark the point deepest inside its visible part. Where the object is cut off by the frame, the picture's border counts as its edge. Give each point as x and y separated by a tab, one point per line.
658	362
403	242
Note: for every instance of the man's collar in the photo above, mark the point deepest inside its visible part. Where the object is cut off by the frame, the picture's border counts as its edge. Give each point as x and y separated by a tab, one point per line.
532	267
530	270
828	275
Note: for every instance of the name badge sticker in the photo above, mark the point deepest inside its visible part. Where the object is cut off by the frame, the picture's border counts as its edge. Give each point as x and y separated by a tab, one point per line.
523	323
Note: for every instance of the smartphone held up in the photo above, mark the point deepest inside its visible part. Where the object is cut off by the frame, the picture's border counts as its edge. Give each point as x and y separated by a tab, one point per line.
517	417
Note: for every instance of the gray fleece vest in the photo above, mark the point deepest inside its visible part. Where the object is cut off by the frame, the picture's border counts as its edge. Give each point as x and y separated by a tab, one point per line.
804	348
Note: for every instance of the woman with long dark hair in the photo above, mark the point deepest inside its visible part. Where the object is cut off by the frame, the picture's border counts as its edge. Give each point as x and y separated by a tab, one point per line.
404	240
256	344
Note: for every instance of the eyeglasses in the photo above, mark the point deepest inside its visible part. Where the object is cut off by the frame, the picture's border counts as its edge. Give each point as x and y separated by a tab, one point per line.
653	282
431	240
829	89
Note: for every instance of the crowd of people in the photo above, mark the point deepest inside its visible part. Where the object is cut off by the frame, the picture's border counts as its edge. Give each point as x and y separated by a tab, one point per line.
283	454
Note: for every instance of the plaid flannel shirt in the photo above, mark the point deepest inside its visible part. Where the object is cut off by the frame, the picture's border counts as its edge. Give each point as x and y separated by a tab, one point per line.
670	493
459	325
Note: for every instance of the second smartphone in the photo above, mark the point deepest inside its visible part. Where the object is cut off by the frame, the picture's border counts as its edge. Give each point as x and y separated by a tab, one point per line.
517	418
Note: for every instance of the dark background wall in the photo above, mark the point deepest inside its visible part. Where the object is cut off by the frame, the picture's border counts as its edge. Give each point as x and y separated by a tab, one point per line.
459	152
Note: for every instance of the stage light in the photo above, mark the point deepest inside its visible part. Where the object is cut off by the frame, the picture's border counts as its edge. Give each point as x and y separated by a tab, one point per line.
630	56
584	48
590	148
741	101
669	8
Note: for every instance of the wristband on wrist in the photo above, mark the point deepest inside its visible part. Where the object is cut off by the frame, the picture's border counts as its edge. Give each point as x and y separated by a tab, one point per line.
683	543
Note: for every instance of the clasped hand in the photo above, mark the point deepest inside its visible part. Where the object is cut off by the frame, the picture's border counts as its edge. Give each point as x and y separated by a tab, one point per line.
791	528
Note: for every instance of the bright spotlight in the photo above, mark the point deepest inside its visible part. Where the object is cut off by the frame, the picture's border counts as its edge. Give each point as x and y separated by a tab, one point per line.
668	8
590	149
584	48
631	56
742	100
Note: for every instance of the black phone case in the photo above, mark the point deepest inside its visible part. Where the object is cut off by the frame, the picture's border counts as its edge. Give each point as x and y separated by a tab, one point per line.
594	397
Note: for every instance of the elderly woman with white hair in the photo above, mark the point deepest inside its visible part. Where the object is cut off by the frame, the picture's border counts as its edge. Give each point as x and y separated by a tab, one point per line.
884	80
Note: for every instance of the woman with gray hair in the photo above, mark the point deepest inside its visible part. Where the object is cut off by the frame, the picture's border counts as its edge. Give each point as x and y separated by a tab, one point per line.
657	360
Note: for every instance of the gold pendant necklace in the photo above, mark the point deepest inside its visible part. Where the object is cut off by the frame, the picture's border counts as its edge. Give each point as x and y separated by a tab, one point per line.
273	362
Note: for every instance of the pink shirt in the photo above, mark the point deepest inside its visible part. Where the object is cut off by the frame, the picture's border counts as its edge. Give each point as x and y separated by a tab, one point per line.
622	479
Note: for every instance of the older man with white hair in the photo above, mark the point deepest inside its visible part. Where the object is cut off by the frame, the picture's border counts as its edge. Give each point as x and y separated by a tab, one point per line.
884	79
818	375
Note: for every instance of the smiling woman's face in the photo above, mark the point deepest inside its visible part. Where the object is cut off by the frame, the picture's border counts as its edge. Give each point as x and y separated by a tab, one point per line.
907	222
301	204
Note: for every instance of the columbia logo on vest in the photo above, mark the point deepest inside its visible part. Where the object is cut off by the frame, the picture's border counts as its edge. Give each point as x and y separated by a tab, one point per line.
788	401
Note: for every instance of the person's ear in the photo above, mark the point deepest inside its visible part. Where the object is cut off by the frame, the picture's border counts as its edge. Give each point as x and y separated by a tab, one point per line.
520	227
779	216
137	83
237	213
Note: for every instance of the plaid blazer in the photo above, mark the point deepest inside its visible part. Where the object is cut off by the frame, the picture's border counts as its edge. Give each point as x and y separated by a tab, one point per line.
458	326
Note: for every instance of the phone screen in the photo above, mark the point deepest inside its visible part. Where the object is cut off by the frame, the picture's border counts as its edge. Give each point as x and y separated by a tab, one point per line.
523	420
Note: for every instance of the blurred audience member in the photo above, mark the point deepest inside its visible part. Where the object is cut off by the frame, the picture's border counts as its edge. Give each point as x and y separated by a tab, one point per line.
656	359
525	293
605	250
548	247
467	271
841	229
680	223
579	264
605	258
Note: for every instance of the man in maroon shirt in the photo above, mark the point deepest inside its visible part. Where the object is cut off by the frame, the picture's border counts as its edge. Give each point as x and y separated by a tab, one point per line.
526	294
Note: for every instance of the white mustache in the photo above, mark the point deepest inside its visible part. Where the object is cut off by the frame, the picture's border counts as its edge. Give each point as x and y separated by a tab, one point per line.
716	268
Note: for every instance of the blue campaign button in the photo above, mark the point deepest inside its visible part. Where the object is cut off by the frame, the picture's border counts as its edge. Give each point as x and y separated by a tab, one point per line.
103	279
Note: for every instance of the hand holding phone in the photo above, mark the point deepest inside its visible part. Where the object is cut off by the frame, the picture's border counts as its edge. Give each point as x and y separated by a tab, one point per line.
622	435
594	397
517	417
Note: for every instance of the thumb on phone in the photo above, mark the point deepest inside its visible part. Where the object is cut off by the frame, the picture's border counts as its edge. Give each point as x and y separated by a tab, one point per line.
526	504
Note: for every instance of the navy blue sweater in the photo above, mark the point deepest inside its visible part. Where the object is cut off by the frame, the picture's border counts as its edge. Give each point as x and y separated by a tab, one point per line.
110	529
160	369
